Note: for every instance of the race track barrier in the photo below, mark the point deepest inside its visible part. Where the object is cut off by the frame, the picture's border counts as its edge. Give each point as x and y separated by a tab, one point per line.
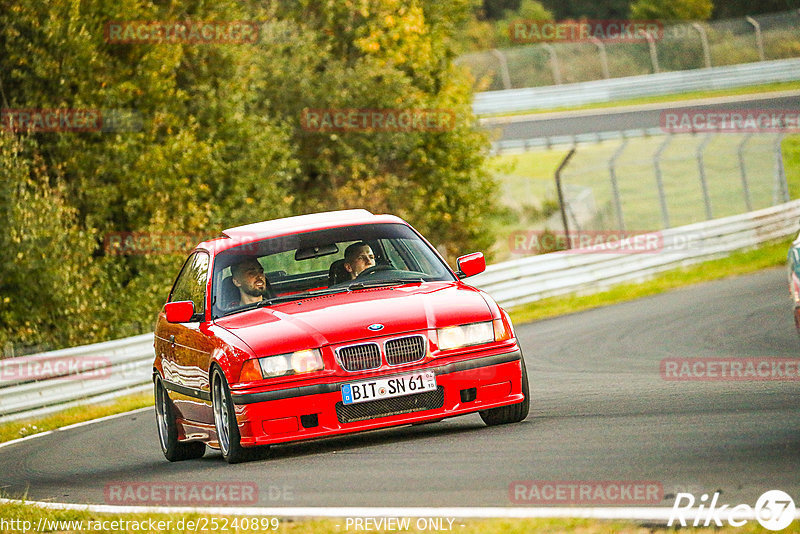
614	89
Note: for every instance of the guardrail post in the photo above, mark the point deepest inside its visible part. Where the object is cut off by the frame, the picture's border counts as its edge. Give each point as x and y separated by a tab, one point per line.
743	171
759	37
662	197
780	175
501	59
553	63
651	44
603	56
560	189
614	187
703	183
704	42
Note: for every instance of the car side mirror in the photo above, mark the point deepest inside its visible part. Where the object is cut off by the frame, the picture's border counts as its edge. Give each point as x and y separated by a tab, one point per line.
179	312
471	264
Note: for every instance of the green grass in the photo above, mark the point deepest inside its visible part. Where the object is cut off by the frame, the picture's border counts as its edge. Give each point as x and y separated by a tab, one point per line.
528	178
691	95
791	164
22	512
738	263
21	429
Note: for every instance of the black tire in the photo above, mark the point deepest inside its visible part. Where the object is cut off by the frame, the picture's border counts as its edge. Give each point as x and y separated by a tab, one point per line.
513	413
225	422
174	450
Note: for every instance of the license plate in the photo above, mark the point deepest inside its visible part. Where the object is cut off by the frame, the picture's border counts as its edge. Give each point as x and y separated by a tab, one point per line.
385	388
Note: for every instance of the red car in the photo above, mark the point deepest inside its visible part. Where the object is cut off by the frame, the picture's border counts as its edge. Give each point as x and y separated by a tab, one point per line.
326	324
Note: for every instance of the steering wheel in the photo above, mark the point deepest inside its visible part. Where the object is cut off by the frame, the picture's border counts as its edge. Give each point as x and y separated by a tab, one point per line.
374	269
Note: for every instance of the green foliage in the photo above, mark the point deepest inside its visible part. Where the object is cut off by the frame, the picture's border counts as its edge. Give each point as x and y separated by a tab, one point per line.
576	9
388	55
491	28
528	10
670	10
48	281
220	143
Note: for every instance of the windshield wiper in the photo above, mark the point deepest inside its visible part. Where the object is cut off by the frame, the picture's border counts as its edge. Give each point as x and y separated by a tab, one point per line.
298	296
380	283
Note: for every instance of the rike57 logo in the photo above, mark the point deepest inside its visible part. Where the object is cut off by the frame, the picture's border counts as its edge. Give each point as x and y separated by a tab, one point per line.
774	510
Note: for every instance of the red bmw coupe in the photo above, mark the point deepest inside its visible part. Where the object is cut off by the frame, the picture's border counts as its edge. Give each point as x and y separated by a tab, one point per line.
326	324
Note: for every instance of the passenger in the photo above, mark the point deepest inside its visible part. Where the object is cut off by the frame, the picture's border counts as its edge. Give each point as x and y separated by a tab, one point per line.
357	258
248	277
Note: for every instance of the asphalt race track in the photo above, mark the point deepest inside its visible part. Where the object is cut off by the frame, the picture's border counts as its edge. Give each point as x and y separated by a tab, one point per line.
620	119
600	411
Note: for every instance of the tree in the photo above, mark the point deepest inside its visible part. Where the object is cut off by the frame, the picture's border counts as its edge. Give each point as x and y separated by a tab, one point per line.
529	10
220	141
49	285
203	159
672	10
389	55
587	9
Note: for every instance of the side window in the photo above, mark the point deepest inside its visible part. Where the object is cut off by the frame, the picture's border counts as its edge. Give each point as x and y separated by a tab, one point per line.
191	283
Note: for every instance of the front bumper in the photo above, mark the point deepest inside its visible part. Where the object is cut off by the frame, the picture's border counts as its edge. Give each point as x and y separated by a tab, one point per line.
482	381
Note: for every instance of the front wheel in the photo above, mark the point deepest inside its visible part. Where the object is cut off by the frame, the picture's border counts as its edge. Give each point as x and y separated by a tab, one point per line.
173	450
225	422
513	413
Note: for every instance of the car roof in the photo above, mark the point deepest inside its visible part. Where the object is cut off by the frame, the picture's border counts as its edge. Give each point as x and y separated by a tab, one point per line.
291	225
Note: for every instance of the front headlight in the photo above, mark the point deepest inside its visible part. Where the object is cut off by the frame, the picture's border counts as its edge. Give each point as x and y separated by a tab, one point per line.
464	335
291	363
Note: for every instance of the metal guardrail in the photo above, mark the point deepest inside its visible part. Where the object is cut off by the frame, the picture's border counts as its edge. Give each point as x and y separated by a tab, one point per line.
530	279
577	94
516	146
38	384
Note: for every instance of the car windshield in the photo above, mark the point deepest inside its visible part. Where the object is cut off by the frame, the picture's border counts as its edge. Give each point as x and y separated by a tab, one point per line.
344	259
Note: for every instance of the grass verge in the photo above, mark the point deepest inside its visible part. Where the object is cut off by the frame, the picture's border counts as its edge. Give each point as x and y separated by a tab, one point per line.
38	519
79	414
769	255
692	95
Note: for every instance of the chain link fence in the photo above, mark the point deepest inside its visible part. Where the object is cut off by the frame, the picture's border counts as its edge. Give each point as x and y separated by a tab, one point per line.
666	181
641	184
683	47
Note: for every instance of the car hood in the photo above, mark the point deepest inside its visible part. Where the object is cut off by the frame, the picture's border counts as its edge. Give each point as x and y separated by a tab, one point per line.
344	317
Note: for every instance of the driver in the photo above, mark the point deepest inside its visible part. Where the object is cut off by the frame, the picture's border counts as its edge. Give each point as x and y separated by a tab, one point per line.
248	277
357	258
